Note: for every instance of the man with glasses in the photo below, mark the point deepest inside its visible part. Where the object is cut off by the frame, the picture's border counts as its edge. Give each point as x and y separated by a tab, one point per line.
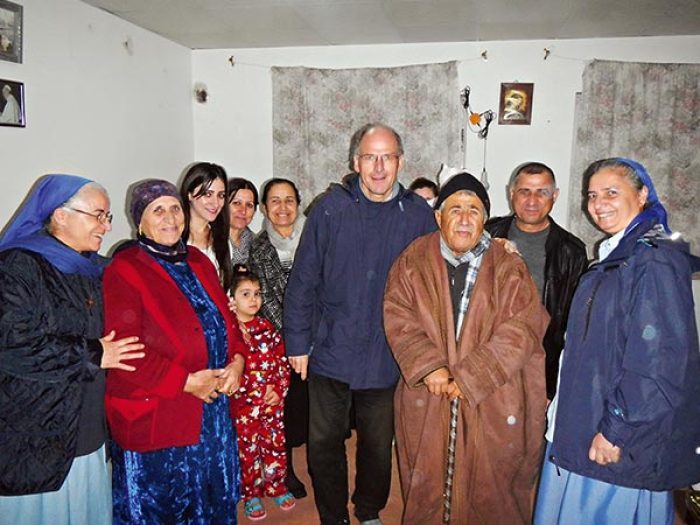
555	257
333	322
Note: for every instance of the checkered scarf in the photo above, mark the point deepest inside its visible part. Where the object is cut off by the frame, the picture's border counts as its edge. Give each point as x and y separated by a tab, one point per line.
473	257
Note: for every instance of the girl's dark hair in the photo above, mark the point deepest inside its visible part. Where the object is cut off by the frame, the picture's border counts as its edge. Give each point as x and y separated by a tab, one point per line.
203	174
238	183
242	273
277	180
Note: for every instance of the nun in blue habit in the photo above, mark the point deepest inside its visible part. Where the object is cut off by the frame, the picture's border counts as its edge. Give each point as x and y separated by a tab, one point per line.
52	357
624	428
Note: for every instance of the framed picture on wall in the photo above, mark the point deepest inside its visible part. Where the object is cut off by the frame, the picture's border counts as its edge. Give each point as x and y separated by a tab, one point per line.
10	31
11	103
515	104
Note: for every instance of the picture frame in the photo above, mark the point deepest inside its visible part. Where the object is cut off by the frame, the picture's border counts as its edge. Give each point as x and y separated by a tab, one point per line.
515	104
11	25
12	103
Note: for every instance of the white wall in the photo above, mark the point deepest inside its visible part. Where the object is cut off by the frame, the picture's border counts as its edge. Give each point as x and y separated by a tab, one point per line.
235	127
97	110
93	108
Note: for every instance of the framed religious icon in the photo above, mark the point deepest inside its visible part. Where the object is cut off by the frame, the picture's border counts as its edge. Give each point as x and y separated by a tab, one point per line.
10	31
515	104
11	103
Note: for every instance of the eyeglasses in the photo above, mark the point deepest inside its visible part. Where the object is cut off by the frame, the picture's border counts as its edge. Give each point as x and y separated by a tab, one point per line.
372	158
103	217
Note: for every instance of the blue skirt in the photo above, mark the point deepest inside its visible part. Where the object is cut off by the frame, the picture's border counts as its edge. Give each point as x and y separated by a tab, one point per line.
84	497
565	498
192	485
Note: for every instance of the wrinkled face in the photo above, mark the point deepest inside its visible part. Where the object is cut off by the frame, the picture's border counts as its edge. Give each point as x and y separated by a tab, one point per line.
532	198
281	207
241	209
163	221
613	201
247	299
461	221
427	193
378	162
84	224
209	204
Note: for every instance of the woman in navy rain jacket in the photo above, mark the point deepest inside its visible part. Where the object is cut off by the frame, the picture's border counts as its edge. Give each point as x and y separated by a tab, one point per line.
628	407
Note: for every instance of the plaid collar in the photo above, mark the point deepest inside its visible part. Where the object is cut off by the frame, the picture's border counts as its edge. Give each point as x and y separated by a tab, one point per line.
480	248
473	258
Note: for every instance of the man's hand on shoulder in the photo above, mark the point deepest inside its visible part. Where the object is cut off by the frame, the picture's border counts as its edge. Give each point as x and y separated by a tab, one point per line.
509	245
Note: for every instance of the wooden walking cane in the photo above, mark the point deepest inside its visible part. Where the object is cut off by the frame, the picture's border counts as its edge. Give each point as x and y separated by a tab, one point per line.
450	470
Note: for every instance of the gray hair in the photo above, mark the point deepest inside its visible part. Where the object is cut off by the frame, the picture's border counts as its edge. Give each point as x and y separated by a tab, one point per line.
531	168
360	134
75	198
613	164
78	195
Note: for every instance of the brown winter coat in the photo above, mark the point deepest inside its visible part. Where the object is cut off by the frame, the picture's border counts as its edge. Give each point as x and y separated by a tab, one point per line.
498	366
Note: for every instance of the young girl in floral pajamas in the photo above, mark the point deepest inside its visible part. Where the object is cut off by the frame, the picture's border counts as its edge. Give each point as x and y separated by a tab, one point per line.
259	403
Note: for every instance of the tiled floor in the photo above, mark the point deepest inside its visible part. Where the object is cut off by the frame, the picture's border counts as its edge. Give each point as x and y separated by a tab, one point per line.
305	512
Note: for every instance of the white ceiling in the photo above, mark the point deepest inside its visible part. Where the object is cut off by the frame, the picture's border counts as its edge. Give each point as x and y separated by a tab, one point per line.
222	24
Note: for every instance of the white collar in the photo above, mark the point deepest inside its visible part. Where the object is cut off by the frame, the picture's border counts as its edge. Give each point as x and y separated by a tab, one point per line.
608	245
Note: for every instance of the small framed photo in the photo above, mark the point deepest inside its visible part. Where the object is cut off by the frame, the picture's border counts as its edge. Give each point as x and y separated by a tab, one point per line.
11	103
515	106
10	31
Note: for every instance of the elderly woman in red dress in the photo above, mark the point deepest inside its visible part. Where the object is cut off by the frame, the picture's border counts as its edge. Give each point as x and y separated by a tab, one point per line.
174	453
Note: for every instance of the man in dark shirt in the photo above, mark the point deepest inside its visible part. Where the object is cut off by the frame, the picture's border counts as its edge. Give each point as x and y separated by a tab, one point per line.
555	257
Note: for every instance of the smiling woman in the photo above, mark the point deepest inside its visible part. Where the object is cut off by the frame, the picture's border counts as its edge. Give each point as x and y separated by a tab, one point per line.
625	423
51	377
163	221
170	420
242	203
271	259
204	190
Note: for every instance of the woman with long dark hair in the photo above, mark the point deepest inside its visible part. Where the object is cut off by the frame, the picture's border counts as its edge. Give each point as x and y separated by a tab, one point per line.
203	191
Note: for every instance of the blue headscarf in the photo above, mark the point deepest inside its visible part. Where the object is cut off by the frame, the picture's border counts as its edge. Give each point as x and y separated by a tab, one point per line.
654	210
26	229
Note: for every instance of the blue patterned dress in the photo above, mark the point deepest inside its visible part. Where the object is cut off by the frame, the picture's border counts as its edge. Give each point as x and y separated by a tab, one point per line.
196	484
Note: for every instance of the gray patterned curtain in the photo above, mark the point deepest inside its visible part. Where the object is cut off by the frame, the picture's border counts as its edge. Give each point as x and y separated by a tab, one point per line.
316	111
649	113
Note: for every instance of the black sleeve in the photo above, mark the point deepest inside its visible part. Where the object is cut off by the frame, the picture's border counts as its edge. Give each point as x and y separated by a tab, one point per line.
27	347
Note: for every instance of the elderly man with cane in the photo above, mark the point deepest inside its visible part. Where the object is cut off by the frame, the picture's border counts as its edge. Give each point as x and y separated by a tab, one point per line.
464	321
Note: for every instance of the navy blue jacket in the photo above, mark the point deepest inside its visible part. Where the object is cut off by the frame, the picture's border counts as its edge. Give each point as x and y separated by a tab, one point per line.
51	383
631	367
333	300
